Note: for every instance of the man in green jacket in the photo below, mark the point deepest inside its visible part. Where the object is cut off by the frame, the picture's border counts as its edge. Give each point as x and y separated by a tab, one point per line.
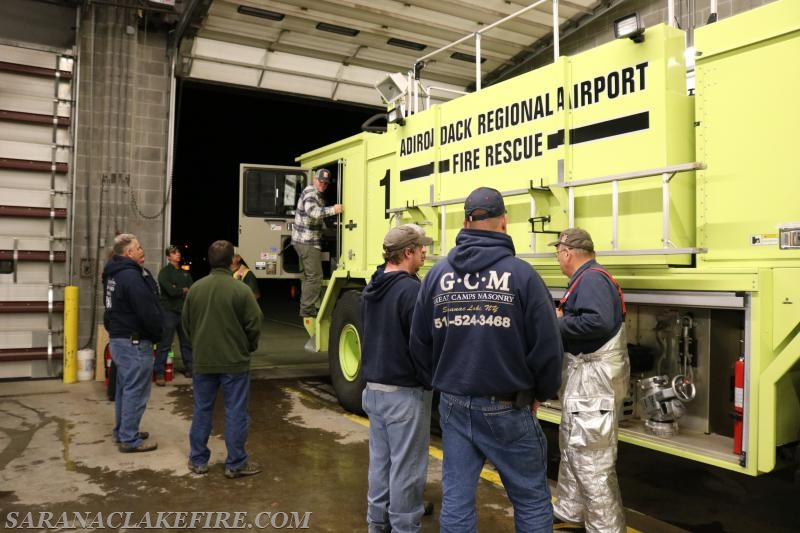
174	283
223	321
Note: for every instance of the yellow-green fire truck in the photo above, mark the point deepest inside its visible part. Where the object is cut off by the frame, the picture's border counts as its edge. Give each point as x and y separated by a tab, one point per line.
691	198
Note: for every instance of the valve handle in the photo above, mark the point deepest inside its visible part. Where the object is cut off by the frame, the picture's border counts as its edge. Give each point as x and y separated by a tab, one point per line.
684	388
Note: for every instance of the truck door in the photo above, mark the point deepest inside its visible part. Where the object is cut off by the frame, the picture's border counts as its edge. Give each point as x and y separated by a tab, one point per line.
268	197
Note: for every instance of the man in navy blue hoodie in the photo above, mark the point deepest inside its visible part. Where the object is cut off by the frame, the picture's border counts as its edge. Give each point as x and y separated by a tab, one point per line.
485	334
133	320
398	405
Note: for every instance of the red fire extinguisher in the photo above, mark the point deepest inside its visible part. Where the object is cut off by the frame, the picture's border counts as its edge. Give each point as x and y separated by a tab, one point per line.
107	362
738	404
168	368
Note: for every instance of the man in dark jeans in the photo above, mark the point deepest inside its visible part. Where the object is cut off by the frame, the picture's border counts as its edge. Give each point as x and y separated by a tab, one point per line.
174	283
133	320
485	334
223	320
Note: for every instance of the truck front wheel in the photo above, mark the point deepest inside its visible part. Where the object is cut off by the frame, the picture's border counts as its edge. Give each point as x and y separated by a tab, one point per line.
344	351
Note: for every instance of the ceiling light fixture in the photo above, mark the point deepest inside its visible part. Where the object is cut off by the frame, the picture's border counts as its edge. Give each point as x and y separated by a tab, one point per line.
461	56
411	45
260	13
341	30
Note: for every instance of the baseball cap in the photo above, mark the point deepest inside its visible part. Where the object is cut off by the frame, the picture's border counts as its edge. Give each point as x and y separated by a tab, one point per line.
405	236
485	199
575	238
323	175
171	249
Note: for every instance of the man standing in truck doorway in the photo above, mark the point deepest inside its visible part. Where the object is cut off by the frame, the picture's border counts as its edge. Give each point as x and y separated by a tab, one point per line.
395	399
485	333
591	317
307	237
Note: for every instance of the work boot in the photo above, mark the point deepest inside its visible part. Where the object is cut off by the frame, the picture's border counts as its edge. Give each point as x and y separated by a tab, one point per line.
143	447
428	508
198	469
563	525
160	381
248	469
142	435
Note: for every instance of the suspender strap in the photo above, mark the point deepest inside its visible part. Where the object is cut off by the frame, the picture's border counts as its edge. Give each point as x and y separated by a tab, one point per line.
607	275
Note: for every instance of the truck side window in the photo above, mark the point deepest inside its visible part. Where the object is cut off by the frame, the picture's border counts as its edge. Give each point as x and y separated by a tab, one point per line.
269	193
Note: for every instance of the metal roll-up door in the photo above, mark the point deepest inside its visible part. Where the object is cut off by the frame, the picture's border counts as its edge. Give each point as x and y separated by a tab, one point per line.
36	96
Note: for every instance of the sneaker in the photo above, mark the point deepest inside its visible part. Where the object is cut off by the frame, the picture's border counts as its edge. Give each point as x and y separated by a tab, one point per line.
248	469
197	469
142	435
160	381
144	447
187	374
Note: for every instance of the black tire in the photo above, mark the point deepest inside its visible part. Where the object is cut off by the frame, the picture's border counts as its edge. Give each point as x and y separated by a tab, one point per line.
344	352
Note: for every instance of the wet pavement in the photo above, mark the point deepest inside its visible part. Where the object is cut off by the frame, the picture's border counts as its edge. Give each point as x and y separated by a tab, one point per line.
57	456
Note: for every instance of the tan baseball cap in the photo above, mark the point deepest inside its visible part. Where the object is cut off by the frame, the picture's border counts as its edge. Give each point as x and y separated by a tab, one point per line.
575	238
405	236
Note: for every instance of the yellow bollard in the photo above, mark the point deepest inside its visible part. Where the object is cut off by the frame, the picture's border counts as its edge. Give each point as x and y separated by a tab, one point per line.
70	334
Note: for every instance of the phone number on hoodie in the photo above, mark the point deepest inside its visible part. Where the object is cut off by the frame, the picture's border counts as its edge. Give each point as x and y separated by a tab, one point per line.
473	320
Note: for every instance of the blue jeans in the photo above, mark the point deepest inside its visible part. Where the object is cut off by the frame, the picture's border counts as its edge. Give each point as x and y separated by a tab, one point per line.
475	429
172	324
134	369
236	395
399	434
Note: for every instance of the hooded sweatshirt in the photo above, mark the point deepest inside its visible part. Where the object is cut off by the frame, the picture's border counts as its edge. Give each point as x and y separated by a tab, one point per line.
387	305
484	323
131	300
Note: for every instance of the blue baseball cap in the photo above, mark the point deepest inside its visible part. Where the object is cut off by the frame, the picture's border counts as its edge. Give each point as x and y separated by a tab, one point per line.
483	203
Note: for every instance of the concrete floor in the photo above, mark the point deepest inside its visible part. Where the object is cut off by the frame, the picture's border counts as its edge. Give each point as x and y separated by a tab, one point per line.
56	456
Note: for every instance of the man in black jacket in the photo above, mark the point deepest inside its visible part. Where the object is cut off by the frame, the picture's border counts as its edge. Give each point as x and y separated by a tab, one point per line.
485	333
398	405
133	320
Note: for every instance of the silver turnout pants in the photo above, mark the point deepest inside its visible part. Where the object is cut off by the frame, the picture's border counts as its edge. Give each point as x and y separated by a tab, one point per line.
594	386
